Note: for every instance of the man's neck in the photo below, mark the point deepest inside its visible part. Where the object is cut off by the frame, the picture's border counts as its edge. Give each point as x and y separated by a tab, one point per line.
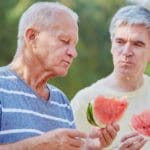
34	78
124	84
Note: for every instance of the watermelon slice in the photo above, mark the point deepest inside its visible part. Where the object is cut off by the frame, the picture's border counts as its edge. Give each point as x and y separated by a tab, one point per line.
141	122
105	110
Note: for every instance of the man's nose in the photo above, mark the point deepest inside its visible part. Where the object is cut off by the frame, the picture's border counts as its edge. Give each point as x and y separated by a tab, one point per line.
72	51
127	50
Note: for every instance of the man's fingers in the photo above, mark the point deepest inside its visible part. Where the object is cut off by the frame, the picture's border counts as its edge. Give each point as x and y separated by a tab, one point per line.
133	142
130	135
138	145
107	136
76	142
112	131
134	146
115	126
75	133
102	139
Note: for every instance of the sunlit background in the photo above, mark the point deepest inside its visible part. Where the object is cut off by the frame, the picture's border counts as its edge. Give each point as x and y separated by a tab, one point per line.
94	60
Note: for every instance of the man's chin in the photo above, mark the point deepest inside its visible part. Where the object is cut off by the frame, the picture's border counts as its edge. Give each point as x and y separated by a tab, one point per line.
126	74
63	74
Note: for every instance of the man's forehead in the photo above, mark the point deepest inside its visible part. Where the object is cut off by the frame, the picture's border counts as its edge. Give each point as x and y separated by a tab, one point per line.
133	26
132	29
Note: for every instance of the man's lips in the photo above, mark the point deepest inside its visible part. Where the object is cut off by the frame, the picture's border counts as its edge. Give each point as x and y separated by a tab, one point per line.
126	62
67	62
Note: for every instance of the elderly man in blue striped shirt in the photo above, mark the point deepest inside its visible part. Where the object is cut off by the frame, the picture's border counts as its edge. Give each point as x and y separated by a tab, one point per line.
33	113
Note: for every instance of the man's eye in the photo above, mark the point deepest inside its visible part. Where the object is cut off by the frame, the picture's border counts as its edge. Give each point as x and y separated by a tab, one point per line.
120	42
65	41
139	44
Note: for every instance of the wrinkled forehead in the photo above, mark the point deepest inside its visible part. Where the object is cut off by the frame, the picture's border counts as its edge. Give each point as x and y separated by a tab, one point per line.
64	22
63	17
64	26
139	29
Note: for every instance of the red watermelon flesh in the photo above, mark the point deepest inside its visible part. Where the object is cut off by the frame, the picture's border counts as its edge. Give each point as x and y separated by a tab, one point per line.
141	122
107	110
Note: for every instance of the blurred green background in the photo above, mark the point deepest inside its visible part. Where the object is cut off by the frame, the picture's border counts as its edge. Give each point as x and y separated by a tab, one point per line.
94	60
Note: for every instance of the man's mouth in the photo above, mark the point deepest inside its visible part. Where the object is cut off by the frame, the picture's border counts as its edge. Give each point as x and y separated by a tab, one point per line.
126	62
67	62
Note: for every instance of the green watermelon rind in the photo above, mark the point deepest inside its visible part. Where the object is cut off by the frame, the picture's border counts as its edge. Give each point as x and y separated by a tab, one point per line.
90	116
91	119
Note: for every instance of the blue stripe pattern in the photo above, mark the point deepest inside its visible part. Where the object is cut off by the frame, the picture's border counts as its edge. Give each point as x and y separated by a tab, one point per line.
24	114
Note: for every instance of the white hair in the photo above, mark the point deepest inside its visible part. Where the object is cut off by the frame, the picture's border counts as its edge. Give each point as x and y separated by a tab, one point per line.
131	14
40	16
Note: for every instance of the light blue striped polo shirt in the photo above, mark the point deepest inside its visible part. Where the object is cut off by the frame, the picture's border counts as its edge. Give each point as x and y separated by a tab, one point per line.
24	114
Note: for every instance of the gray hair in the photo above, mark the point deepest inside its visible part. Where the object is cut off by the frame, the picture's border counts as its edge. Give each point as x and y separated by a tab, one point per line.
132	14
40	16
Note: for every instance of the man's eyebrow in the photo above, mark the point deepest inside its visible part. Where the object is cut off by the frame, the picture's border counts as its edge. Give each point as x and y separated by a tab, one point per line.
139	42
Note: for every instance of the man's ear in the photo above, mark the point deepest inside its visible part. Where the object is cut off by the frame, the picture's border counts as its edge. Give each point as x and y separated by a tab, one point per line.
30	36
111	50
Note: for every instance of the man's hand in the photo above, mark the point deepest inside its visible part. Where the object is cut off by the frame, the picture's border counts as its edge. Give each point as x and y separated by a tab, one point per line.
62	139
59	139
102	137
132	141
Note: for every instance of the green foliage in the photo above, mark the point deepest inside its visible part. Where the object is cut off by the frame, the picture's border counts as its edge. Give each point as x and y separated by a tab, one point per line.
94	59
